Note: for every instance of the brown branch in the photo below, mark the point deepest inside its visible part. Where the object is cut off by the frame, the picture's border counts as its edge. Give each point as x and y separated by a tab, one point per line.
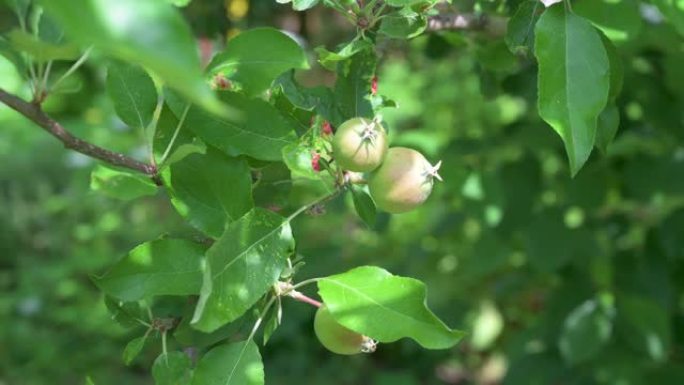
494	25
33	112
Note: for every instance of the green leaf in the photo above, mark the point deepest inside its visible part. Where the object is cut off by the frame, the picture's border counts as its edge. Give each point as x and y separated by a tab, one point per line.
127	314
272	321
133	349
12	55
353	86
185	142
121	184
617	71
260	132
255	58
303	5
210	190
645	325
608	123
241	267
233	364
403	24
161	267
573	80
329	60
133	93
371	301
298	158
619	20
184	150
586	330
364	205
321	99
520	31
150	33
40	50
174	368
186	335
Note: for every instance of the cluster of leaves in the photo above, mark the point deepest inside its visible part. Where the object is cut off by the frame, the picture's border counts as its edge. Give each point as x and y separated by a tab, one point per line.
213	153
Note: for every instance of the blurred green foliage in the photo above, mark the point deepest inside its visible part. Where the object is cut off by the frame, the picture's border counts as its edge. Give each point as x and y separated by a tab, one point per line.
556	279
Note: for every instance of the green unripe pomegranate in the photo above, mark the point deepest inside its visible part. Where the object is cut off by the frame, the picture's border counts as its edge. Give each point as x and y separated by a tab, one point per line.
337	338
360	145
403	181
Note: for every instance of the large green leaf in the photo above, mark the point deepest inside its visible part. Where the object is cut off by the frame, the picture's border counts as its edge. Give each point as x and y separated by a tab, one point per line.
520	31
617	71
41	50
122	185
353	86
260	131
233	364
403	24
161	267
133	349
151	33
371	301
302	5
241	267
321	99
363	204
173	368
608	124
298	158
255	58
126	314
133	93
330	59
573	79
210	190
586	331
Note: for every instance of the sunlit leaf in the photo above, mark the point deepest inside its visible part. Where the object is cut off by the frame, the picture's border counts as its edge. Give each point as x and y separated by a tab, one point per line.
573	80
241	267
161	267
234	364
385	307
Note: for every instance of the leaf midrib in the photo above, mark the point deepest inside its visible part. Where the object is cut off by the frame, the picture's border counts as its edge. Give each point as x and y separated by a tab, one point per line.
373	301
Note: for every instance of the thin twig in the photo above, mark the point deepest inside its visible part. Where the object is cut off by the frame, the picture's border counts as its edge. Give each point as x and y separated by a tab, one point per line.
33	112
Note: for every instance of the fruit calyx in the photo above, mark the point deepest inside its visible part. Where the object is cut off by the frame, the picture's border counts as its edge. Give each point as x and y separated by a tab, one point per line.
370	131
368	345
432	172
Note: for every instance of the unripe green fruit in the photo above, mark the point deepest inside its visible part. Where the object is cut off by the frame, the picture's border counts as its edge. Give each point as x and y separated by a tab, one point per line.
336	337
360	145
403	182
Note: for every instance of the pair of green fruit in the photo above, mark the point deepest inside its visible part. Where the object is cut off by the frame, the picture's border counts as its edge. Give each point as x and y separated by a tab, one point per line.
401	178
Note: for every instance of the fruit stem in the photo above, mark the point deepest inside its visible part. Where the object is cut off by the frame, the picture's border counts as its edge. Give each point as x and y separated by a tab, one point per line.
297	296
287	289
